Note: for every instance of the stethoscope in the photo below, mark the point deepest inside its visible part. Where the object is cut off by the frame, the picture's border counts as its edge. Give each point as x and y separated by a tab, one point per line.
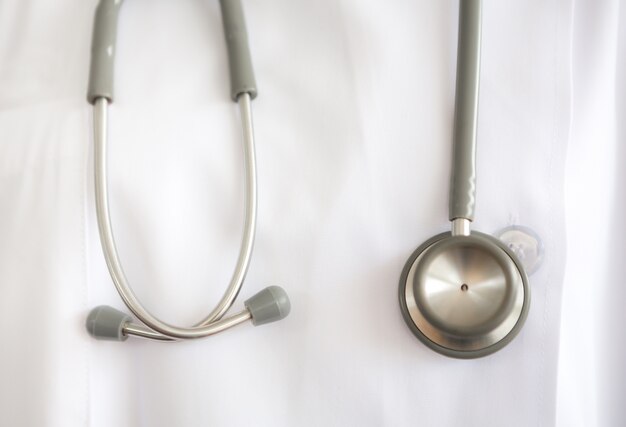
268	305
463	293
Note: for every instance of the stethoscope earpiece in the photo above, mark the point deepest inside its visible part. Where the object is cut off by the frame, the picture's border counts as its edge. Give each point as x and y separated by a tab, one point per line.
269	305
107	323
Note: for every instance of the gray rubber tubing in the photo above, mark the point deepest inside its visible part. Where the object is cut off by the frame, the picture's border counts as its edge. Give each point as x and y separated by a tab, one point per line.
463	178
103	50
104	39
239	61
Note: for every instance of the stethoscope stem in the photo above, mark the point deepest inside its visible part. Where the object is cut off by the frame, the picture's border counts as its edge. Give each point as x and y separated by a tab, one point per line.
460	227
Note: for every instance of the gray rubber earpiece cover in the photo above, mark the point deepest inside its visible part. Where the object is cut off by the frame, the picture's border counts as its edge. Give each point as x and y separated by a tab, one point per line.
106	323
239	60
103	51
269	305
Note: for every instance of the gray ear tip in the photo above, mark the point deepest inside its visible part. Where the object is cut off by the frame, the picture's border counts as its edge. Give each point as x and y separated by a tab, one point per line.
107	323
282	300
269	305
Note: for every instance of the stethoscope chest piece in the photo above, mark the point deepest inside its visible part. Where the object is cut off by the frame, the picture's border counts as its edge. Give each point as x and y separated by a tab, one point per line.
464	296
463	293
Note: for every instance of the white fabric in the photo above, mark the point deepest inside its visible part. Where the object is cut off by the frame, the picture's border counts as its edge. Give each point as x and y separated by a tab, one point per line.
592	374
353	126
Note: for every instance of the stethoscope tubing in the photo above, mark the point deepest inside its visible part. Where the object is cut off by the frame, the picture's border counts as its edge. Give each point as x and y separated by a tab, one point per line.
463	178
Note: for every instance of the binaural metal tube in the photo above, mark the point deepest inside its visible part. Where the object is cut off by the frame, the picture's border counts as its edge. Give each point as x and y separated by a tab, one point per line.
213	323
463	177
221	325
250	208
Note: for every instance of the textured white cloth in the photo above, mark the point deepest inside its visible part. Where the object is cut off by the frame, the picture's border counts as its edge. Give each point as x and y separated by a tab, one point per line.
353	126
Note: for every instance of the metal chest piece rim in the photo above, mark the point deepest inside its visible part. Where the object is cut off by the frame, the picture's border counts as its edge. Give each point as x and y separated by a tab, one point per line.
474	309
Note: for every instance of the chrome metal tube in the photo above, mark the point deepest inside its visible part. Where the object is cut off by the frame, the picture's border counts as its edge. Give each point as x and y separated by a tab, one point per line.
221	325
461	227
249	230
160	330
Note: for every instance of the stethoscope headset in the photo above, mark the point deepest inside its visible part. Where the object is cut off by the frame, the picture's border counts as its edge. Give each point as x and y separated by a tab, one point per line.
463	293
268	305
